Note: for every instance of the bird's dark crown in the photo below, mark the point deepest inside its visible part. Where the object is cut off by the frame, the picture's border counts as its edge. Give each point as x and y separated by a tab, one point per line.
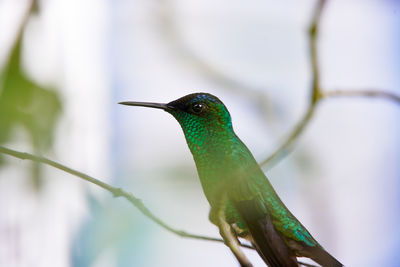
199	111
195	103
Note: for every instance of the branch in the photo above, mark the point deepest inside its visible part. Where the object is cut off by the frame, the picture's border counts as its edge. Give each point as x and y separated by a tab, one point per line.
313	35
117	192
284	148
317	94
168	28
226	231
361	93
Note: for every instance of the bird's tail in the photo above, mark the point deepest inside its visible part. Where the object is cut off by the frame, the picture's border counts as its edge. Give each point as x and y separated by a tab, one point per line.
319	255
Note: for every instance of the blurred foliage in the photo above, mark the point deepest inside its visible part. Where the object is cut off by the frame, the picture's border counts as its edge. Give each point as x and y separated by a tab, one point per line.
27	104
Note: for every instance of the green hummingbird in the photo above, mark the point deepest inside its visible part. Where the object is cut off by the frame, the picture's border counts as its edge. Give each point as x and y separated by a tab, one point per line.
243	202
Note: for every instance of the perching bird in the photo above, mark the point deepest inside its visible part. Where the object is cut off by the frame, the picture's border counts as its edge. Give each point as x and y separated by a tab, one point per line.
243	202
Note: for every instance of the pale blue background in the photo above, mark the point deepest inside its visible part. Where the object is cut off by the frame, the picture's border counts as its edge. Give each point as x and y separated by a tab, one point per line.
341	181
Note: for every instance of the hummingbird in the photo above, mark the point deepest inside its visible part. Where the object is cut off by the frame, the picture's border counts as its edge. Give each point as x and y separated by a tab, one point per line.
243	203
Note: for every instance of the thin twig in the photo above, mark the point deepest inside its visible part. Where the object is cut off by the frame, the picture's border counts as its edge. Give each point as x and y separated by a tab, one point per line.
284	148
317	94
169	30
168	27
117	192
313	33
361	93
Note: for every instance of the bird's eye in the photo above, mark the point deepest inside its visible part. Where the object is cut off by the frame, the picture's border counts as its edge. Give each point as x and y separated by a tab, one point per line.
198	108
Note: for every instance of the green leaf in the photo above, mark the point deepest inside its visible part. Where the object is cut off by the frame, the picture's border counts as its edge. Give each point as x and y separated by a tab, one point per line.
27	104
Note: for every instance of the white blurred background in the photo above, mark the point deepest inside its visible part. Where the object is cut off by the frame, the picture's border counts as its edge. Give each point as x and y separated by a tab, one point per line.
341	181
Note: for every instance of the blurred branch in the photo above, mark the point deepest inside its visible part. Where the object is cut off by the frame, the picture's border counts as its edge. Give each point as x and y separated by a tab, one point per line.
361	93
168	27
283	149
170	31
317	94
313	34
117	192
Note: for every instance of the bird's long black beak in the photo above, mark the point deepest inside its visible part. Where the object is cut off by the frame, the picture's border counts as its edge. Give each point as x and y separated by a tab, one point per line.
165	107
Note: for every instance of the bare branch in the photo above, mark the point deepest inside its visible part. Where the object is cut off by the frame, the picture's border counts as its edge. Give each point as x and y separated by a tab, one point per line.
284	148
361	93
316	92
168	27
313	34
227	233
117	192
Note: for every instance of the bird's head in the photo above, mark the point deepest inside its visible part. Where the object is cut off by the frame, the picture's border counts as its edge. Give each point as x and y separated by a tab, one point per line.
200	115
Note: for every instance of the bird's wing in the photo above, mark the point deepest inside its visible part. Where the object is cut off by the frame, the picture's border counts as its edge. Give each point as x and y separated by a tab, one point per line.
245	194
266	239
295	234
278	236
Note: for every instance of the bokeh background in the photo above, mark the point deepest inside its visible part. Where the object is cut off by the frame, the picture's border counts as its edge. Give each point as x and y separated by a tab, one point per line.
64	65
